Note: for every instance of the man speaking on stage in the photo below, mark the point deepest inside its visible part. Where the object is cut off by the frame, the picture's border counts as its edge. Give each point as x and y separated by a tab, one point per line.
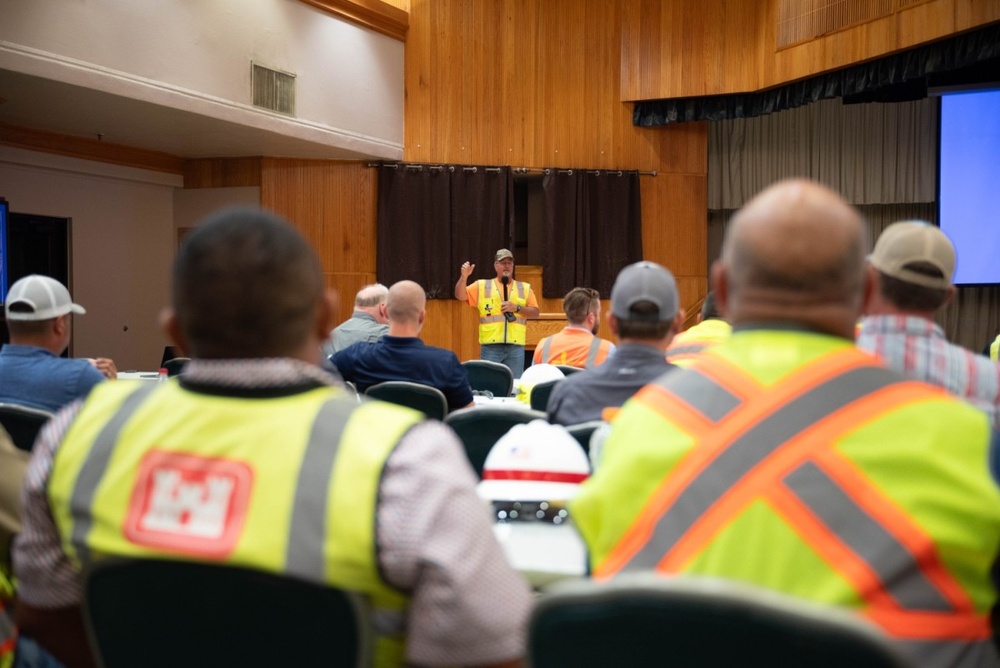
504	306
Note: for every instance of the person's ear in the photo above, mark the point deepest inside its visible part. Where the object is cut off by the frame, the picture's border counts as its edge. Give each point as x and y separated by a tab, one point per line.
613	324
869	288
172	330
678	320
59	325
326	309
720	286
952	291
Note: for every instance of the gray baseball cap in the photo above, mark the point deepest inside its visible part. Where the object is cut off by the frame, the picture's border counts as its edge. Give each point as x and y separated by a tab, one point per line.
644	281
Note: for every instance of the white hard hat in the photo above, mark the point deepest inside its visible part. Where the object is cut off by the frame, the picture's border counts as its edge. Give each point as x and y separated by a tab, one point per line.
533	375
537	461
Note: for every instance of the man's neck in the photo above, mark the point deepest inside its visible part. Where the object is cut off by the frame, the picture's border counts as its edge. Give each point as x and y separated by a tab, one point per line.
35	343
404	330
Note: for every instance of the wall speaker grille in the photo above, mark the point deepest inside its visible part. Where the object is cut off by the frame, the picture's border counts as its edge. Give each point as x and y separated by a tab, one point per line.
802	20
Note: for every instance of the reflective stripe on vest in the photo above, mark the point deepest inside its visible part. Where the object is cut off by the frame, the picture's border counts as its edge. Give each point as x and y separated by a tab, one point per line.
94	467
772	454
595	347
493	326
308	553
685	352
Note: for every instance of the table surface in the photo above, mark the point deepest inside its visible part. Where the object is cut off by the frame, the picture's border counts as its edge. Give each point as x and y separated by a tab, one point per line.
543	552
506	402
138	375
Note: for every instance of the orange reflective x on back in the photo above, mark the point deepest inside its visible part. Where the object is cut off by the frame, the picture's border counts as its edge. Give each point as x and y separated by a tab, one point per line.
777	445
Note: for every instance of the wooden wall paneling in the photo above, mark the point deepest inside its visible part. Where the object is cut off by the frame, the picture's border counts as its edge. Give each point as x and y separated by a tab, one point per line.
222	172
416	77
333	204
386	17
925	22
539	83
744	25
729	46
972	13
518	52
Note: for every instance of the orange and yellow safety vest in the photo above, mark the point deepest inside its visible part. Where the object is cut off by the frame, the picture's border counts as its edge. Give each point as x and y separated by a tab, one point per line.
795	462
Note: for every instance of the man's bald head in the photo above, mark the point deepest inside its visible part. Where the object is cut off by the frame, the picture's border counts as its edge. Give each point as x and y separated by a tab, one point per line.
406	303
794	253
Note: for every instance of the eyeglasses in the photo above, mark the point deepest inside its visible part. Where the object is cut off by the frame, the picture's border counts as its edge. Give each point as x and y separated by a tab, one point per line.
530	511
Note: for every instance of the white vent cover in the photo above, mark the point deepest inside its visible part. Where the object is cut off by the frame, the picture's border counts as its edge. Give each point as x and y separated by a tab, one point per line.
273	89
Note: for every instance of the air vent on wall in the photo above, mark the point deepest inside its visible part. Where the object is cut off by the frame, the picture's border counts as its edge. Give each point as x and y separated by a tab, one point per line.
273	89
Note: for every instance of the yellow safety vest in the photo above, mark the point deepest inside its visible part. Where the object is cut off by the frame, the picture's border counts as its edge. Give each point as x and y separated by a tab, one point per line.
493	326
833	479
995	349
250	482
686	346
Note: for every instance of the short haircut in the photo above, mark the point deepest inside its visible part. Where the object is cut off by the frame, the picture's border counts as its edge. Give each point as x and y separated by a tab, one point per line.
246	284
26	327
644	328
579	303
371	295
710	307
910	296
406	300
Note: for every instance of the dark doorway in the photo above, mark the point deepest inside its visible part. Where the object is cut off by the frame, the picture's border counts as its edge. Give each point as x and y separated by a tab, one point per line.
37	245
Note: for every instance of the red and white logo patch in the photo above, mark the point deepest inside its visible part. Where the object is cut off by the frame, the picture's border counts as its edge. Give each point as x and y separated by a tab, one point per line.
189	504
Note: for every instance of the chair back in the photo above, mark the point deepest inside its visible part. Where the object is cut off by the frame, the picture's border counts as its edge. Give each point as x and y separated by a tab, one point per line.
424	398
540	394
583	431
175	366
22	423
568	370
480	427
159	614
646	619
488	376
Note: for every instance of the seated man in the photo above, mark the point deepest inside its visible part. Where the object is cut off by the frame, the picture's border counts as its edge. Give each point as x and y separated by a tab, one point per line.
644	316
12	465
367	323
710	330
911	267
250	418
577	344
401	355
39	317
788	459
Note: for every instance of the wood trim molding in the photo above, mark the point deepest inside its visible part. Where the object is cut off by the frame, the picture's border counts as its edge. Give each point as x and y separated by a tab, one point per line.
375	14
89	149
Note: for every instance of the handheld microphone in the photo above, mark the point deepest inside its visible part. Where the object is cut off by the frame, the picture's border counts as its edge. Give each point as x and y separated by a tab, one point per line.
505	280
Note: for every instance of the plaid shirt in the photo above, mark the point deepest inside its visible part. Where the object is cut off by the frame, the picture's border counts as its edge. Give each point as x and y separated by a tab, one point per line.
917	347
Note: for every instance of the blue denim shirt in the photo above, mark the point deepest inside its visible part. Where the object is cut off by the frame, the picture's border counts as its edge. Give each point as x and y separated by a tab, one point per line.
32	376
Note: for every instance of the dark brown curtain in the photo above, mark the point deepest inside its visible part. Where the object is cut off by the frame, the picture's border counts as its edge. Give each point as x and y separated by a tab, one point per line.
431	218
593	228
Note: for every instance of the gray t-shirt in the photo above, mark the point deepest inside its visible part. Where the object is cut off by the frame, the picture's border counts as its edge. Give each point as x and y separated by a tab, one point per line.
360	327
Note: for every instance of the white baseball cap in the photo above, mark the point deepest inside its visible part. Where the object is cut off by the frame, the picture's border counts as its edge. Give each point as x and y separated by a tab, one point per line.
37	297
